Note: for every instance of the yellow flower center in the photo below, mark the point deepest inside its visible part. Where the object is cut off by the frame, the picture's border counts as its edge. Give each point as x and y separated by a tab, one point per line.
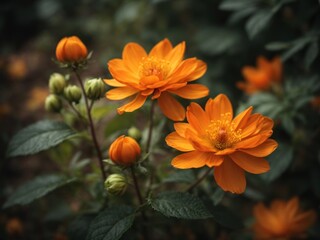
152	66
222	133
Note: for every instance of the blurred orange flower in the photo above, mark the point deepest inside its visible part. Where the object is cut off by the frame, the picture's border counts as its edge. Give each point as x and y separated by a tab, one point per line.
14	227
282	220
71	49
232	146
158	74
262	77
36	98
124	151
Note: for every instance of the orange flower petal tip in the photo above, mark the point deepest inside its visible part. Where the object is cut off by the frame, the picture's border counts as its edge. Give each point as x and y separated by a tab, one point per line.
212	137
71	49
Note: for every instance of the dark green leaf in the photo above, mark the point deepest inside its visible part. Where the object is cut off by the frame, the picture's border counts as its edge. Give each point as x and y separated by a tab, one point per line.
279	161
78	228
37	188
258	22
180	205
311	54
297	45
112	223
185	176
237	4
276	46
38	137
217	196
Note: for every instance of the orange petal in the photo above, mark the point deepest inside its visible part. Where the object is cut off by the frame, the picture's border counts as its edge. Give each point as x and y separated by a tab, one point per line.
265	217
198	72
122	74
175	56
59	49
192	159
250	163
176	141
230	177
214	160
182	72
262	150
241	119
132	55
256	77
181	128
197	118
218	106
133	105
200	144
113	83
192	91
170	107
120	93
161	49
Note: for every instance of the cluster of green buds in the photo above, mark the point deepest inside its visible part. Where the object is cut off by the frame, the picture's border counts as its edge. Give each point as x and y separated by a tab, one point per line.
116	184
73	94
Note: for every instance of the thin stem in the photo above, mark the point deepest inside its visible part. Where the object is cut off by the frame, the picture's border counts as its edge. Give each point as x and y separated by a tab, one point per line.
199	180
136	185
150	126
93	133
75	110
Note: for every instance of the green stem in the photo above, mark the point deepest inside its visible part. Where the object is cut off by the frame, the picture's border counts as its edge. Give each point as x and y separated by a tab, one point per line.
93	133
138	192
198	181
150	126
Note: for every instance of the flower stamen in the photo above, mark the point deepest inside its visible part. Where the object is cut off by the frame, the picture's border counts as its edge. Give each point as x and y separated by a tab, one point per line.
152	66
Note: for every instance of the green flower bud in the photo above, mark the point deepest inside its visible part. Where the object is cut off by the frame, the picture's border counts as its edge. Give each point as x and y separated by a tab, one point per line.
116	184
134	133
53	103
57	83
73	93
95	88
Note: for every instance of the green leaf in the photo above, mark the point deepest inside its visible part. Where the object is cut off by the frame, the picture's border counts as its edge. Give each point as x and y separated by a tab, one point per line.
276	46
258	22
185	176
217	196
112	223
311	54
297	45
180	205
38	137
279	162
37	188
237	4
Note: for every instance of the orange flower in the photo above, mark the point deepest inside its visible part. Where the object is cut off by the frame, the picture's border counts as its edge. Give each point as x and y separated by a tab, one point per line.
158	74
282	220
71	49
262	77
232	146
124	151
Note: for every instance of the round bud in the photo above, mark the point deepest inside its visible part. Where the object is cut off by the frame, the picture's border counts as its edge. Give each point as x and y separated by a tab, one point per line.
73	93
57	83
53	103
71	49
134	133
95	88
124	151
116	184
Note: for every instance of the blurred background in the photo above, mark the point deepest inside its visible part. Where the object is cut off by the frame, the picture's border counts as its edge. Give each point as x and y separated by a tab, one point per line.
227	34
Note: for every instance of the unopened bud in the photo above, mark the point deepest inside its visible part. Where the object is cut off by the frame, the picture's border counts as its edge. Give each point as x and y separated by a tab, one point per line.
57	83
95	88
53	103
116	184
73	93
134	133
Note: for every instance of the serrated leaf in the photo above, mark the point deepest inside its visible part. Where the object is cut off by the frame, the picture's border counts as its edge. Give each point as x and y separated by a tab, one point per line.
38	137
185	176
258	22
180	205
112	223
279	162
37	188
